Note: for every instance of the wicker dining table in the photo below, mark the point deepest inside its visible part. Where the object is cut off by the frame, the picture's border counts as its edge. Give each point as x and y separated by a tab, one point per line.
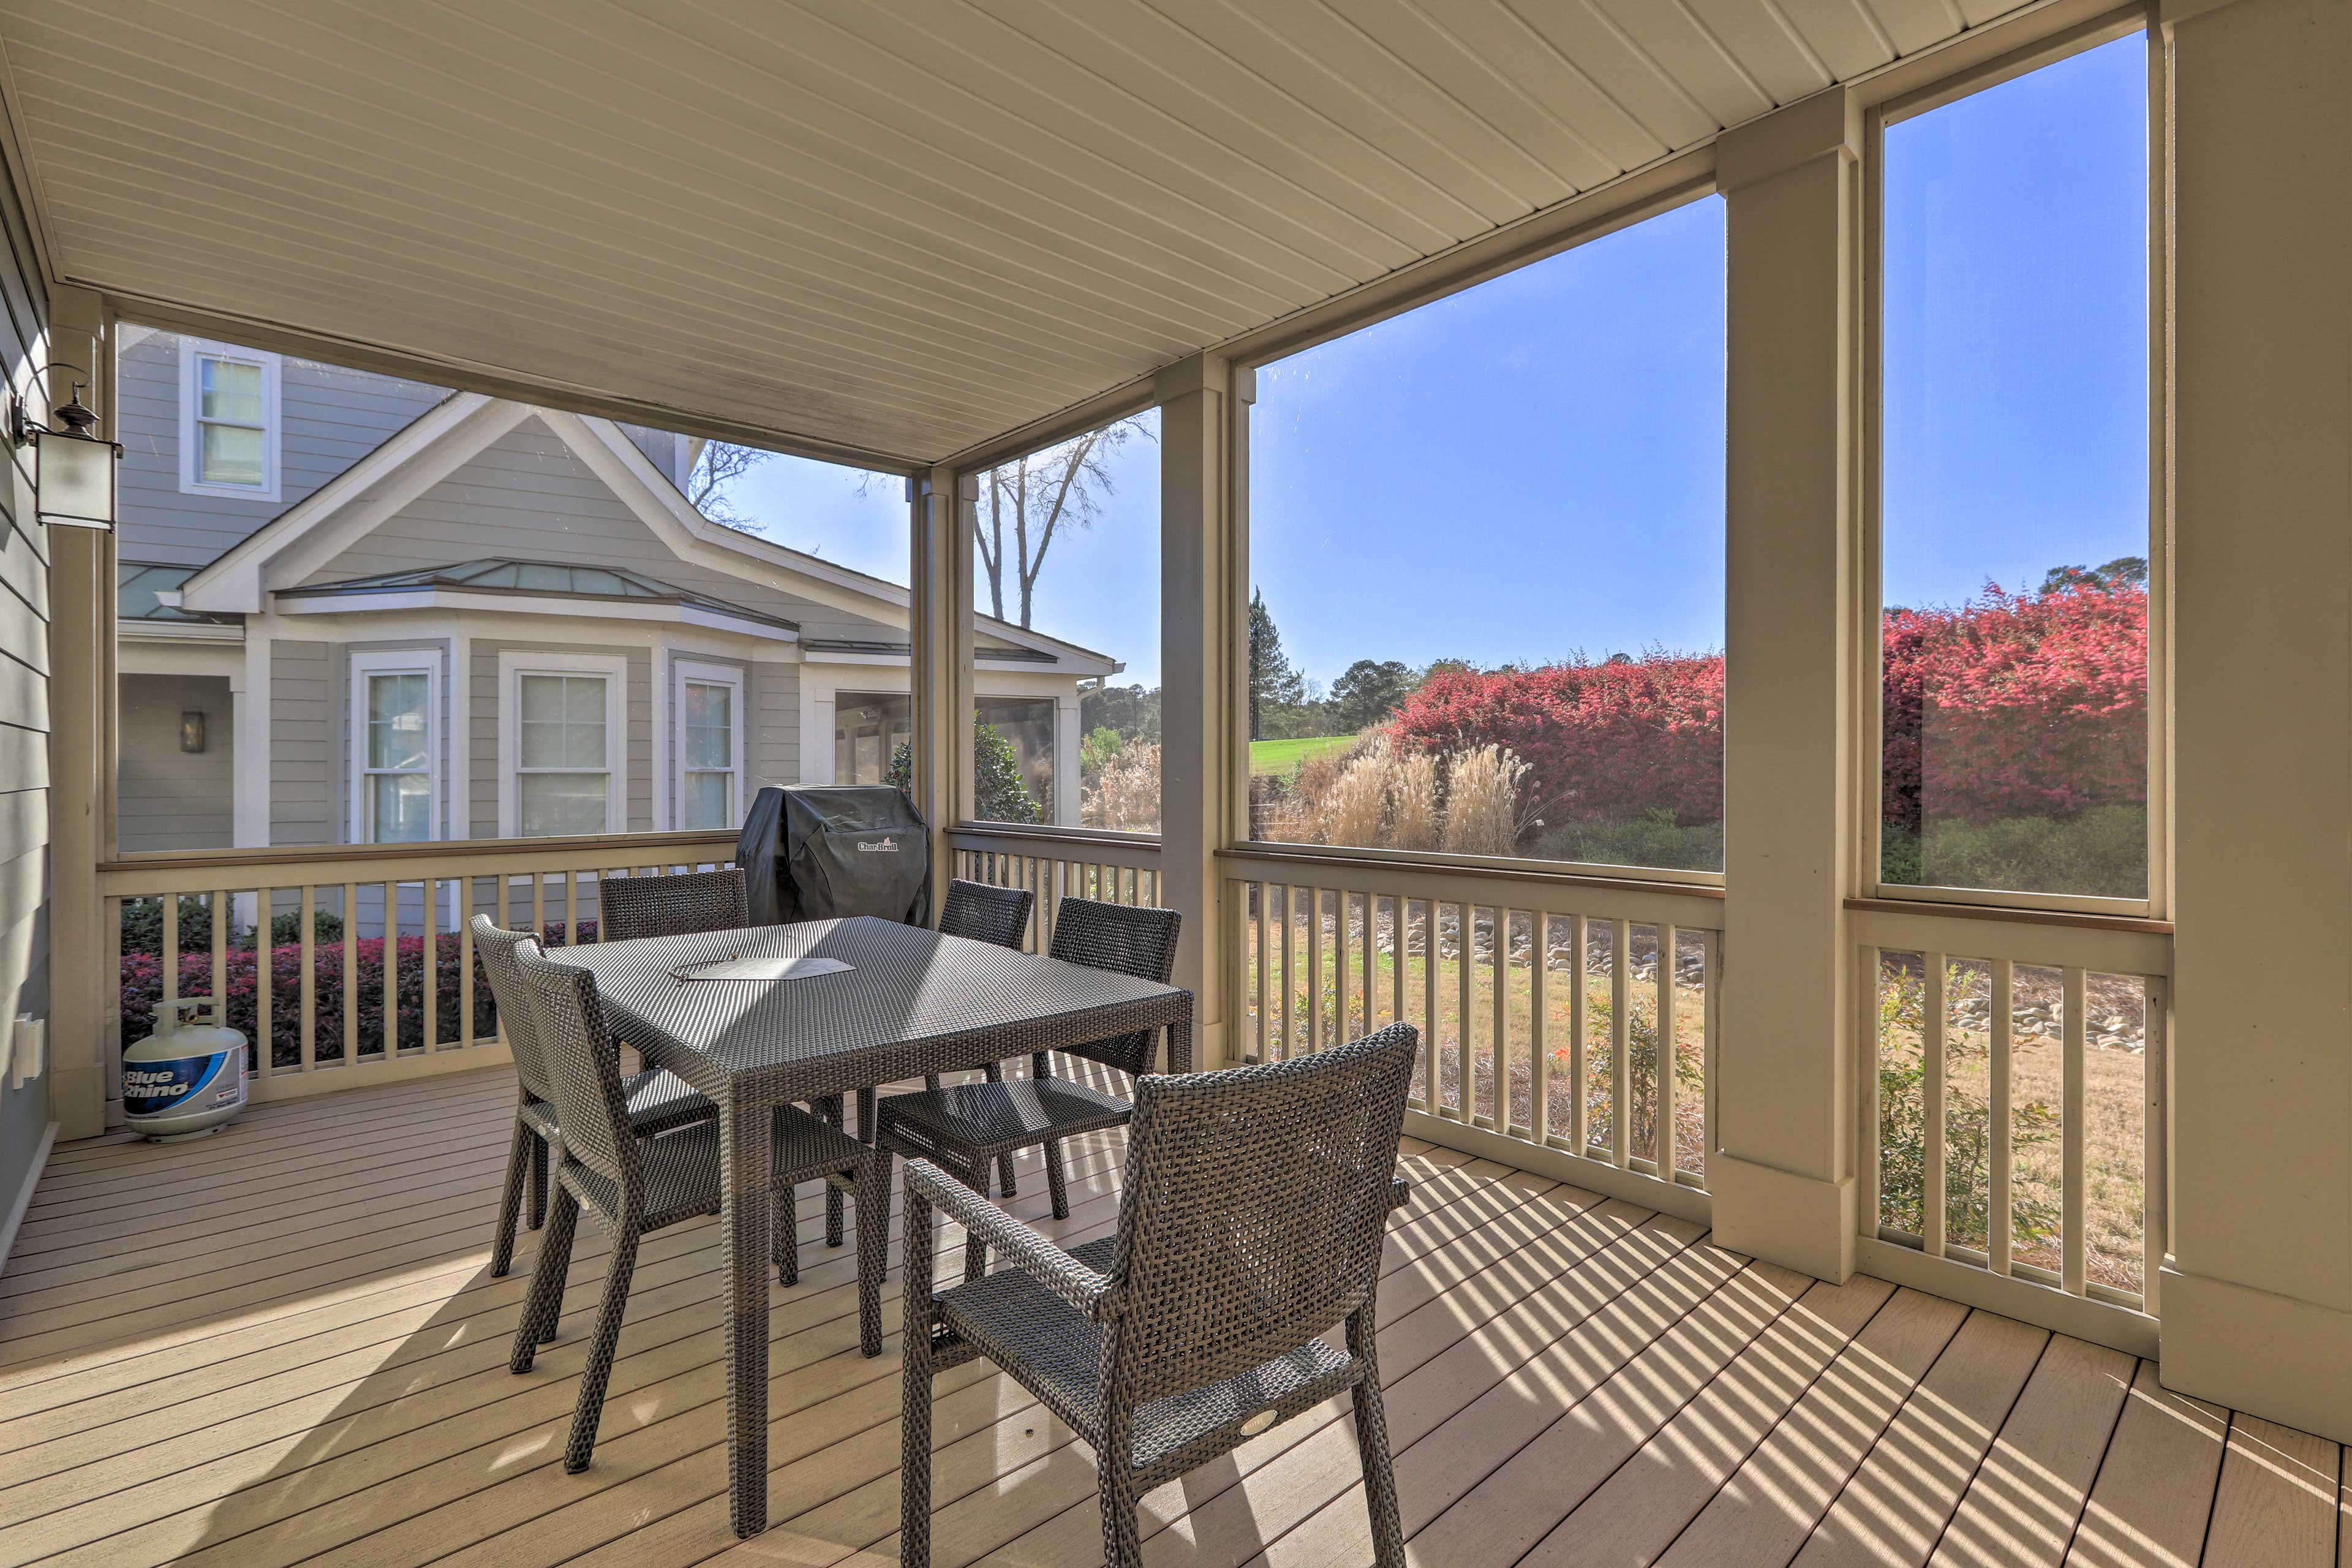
910	1002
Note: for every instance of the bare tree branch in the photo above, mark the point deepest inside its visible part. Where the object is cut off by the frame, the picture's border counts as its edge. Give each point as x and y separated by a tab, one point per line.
720	465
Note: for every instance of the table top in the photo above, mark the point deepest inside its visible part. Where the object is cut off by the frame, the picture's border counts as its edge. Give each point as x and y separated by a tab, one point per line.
912	1002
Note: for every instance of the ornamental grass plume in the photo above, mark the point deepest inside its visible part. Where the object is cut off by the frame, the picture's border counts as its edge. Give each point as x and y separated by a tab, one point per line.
1413	800
1354	808
1126	794
1482	815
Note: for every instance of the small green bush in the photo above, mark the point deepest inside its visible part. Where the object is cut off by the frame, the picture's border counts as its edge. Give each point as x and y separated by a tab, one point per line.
142	926
2103	851
1655	839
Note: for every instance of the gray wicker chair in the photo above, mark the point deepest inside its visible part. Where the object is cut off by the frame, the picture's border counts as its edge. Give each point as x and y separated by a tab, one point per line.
987	913
656	1100
630	907
968	1127
1251	1223
635	1186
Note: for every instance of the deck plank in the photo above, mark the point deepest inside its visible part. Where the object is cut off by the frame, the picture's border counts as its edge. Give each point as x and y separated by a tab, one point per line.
2275	1506
2155	1490
320	1379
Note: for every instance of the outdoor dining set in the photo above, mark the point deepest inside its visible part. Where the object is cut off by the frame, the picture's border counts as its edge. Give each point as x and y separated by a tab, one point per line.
1252	1209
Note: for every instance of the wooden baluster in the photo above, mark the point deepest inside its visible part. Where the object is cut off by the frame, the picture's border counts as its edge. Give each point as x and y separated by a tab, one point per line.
1931	1050
351	973
1621	1043
2000	1235
171	957
571	908
1579	1140
1538	1127
391	972
1711	955
2073	1132
2156	1164
1431	1042
306	1020
1264	896
1342	971
1313	970
1499	972
1669	1047
429	978
1871	1049
1372	962
1465	959
465	962
262	1020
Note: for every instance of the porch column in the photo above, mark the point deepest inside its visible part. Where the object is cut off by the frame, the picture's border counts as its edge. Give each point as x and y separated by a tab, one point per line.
1066	760
936	532
1782	1171
1197	591
82	996
2257	1301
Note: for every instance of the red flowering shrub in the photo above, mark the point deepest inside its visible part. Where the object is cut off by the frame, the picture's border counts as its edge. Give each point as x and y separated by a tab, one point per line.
1613	741
2017	705
2026	705
143	993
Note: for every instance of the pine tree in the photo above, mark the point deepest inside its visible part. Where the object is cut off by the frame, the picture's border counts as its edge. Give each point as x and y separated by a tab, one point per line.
1273	680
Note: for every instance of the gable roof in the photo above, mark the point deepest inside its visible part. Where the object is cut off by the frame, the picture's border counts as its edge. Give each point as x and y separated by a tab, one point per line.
292	547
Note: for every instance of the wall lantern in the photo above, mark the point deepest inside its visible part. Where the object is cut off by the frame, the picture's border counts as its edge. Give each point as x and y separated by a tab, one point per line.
73	466
192	730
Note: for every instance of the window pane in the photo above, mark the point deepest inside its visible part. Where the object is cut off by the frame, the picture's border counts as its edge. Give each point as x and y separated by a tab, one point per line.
705	801
559	803
869	729
232	455
1486	548
1067	544
709	725
563	721
229	391
403	807
2015	497
397	720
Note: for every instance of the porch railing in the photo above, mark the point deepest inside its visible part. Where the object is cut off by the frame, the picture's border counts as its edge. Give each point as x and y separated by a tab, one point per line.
2011	1108
1119	871
376	978
1572	1015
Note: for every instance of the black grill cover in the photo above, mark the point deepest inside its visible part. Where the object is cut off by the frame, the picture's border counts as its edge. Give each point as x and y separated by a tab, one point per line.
816	853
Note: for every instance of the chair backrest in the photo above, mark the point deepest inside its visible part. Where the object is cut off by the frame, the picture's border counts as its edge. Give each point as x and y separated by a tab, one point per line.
590	1105
1254	1204
1128	941
630	907
497	948
987	913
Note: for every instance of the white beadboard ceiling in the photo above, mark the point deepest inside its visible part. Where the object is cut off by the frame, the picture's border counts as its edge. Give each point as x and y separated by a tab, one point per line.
900	228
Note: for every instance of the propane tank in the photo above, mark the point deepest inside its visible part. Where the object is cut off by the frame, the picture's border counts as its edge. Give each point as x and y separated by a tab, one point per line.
186	1079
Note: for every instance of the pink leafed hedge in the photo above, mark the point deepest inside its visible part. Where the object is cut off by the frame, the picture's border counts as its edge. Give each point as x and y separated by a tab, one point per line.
2011	705
143	991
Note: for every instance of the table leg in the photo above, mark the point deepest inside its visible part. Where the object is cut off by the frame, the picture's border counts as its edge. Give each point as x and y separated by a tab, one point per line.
743	1222
1180	1044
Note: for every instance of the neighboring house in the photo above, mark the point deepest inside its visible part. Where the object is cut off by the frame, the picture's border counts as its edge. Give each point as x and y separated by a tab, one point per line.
357	609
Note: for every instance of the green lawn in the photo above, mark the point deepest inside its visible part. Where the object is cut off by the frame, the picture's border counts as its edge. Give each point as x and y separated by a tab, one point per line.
1280	758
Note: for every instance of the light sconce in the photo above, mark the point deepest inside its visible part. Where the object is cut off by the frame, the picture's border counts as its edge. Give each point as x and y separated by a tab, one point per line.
192	730
73	466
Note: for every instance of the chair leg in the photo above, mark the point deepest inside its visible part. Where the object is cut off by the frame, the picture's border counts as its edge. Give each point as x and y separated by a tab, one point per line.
1372	1444
872	1247
1056	1184
995	1072
784	1240
539	1183
1115	1487
511	1201
915	1398
543	1306
601	1349
976	1251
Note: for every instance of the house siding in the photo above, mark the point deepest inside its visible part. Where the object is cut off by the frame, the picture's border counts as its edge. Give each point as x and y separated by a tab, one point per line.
329	417
165	798
24	717
527	496
303	773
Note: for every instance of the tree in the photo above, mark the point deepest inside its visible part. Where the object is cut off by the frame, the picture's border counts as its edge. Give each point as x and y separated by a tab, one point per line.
2123	572
1274	680
719	466
999	793
1368	692
1035	499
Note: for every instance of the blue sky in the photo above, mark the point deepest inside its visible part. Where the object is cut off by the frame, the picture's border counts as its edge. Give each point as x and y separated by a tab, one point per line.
1534	467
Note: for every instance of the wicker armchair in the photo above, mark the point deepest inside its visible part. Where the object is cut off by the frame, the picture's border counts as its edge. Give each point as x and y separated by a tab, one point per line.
969	1126
635	1186
1251	1223
630	907
656	1100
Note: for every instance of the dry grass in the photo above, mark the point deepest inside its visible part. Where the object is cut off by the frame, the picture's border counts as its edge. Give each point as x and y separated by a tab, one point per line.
1354	811
1125	795
1412	801
1482	807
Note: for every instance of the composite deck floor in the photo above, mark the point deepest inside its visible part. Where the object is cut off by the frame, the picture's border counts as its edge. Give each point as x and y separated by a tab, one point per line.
282	1345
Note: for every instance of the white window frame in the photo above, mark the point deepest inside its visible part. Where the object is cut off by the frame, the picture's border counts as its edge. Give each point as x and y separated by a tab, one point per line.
513	665
192	352
699	673
427	662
